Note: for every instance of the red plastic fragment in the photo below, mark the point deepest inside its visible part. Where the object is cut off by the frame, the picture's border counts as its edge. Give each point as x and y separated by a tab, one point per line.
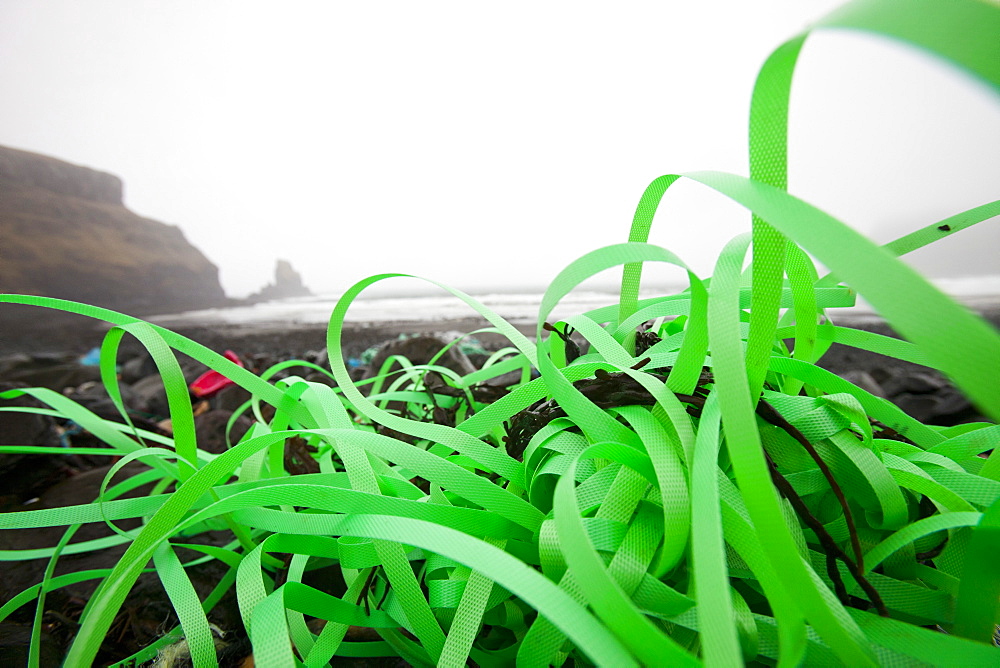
212	382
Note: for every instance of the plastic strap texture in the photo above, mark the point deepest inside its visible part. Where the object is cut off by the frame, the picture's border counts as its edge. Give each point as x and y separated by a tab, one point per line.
684	489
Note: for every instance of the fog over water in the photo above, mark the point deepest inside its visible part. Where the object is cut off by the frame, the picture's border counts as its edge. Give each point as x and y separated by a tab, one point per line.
515	307
478	144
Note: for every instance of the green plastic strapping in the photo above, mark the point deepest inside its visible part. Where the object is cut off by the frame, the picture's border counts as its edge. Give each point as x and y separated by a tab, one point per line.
691	494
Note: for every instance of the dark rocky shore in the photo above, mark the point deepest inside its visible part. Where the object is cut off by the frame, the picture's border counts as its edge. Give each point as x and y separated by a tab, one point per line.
39	348
28	332
45	349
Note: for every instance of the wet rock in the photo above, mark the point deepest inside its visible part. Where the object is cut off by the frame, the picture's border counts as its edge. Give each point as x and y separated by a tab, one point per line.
321	378
917	382
505	380
478	359
317	357
94	397
150	392
137	368
210	430
420	350
78	489
230	398
22	476
10	362
358	373
147	613
865	381
946	407
55	371
14	642
25	428
925	395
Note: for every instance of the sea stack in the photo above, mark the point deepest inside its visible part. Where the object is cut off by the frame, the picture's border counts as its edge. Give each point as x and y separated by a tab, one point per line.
287	283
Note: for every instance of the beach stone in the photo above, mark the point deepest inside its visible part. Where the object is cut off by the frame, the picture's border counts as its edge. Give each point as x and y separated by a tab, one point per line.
75	490
210	430
147	611
94	397
865	381
925	394
504	380
55	371
137	368
916	382
230	398
946	407
151	393
9	362
317	357
923	407
15	640
21	475
25	428
321	378
478	359
420	350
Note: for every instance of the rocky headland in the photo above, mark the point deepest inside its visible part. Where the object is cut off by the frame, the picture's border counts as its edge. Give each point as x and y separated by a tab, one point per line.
65	232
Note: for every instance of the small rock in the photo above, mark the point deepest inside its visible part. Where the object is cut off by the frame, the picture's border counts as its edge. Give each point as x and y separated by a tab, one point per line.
25	428
865	381
946	407
150	391
137	368
53	371
230	398
94	397
358	373
21	475
317	357
12	362
210	430
420	350
918	382
15	640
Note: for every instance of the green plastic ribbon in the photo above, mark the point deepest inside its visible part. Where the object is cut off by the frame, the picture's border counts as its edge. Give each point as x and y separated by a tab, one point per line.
692	493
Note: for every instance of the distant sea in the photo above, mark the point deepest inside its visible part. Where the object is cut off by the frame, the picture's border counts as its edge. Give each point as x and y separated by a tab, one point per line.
981	292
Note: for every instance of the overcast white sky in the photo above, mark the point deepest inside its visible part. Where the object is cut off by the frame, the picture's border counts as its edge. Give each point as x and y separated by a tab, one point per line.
480	144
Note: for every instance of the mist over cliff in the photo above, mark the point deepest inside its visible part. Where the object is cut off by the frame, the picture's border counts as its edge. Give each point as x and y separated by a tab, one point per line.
64	232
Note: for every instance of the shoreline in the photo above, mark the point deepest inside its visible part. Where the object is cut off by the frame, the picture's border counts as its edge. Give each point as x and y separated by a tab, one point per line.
31	330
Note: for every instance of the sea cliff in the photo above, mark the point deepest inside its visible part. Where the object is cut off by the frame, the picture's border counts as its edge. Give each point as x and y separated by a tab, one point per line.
65	232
